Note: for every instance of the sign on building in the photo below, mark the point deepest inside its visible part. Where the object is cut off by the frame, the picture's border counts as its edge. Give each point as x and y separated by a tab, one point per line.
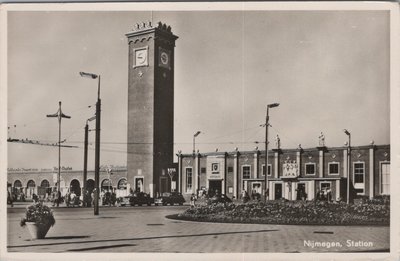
290	169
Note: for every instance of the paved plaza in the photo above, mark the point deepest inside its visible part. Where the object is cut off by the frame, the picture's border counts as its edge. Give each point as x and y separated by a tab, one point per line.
146	229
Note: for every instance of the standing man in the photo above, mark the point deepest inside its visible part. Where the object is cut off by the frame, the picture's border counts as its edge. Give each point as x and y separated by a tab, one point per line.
58	198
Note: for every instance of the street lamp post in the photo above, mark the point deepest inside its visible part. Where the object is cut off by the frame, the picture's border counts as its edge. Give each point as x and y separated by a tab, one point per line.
194	160
97	145
59	114
85	156
272	105
194	141
109	171
348	164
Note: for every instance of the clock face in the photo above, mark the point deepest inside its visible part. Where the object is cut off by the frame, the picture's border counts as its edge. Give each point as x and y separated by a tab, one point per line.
141	58
164	58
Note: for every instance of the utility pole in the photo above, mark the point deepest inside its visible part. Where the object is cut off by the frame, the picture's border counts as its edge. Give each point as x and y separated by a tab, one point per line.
97	146
85	156
59	114
273	105
348	164
194	162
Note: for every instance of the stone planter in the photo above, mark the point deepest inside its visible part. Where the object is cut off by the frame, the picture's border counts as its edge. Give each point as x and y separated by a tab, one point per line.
38	231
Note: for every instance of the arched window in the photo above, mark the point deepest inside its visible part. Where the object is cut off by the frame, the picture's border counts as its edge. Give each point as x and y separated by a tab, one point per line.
17	184
122	183
75	186
45	183
106	185
31	184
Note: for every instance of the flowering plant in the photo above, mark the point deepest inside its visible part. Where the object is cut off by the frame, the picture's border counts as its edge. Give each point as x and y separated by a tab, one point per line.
38	213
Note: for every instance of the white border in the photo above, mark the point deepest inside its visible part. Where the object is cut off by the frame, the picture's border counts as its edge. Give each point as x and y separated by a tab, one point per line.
394	121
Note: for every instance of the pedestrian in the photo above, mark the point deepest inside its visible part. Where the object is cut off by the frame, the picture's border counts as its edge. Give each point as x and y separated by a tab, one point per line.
35	198
113	198
72	198
88	199
193	200
10	199
92	196
58	198
329	194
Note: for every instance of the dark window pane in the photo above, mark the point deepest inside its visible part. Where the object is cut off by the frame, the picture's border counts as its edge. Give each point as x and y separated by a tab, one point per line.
359	178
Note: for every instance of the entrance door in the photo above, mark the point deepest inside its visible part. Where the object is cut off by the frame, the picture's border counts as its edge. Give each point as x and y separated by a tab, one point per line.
139	184
278	191
213	186
163	185
301	191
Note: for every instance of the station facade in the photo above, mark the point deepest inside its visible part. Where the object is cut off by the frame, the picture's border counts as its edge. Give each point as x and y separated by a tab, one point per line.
292	173
43	181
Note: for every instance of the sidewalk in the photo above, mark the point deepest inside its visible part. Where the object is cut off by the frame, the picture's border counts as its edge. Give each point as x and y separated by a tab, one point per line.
145	229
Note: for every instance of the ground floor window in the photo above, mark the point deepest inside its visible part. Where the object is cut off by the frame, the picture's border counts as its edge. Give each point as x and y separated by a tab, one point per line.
359	172
122	184
106	185
256	188
325	186
189	179
325	192
17	184
385	178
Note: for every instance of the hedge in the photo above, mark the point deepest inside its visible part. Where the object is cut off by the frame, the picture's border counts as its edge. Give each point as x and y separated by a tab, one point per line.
292	212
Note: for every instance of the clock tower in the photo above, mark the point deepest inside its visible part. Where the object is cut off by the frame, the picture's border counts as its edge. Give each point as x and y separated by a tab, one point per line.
150	107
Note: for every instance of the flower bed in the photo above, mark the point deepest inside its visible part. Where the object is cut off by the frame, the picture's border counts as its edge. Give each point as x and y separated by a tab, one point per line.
292	212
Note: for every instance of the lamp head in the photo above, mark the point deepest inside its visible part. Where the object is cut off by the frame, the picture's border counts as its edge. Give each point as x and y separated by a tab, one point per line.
346	132
197	133
273	105
90	75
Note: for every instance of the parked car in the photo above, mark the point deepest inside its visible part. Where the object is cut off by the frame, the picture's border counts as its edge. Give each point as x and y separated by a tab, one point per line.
124	201
219	198
141	198
170	198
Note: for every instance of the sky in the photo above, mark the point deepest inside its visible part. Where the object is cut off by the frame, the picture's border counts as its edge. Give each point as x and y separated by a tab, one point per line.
329	70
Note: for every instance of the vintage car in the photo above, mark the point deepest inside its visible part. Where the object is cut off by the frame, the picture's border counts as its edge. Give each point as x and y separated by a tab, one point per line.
124	201
141	198
170	198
